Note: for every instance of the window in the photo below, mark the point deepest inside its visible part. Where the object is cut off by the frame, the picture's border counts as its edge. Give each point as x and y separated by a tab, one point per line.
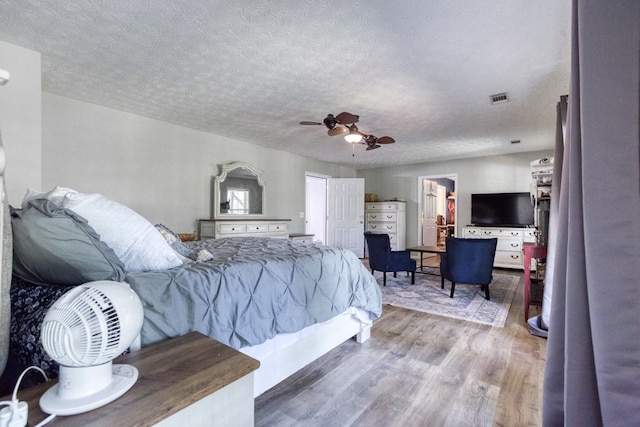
238	201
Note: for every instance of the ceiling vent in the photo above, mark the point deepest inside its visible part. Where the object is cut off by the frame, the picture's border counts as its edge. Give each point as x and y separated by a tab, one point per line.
499	98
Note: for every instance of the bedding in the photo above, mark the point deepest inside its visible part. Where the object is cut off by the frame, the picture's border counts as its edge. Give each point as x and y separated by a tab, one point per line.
254	289
240	291
57	246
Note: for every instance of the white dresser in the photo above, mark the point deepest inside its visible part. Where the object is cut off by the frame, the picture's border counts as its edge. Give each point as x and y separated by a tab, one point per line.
217	228
388	218
509	250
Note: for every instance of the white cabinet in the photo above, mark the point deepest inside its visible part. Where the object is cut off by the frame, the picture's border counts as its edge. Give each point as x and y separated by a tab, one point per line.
388	218
509	250
217	228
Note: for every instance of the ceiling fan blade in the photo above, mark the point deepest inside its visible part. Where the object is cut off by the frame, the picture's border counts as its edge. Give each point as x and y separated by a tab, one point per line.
311	123
373	147
347	118
338	130
386	140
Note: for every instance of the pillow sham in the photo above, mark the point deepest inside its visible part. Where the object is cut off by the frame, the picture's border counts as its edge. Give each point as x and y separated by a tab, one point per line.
56	246
56	194
134	239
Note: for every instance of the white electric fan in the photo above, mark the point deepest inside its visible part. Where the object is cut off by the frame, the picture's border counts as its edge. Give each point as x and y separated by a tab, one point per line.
84	330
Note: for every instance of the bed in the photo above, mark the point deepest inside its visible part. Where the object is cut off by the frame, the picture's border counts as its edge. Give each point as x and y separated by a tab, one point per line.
279	301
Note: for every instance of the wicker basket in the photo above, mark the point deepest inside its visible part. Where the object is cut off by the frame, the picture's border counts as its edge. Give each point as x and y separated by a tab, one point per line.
187	237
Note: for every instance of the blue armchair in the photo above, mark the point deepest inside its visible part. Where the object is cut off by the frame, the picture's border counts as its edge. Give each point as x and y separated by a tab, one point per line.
382	258
468	261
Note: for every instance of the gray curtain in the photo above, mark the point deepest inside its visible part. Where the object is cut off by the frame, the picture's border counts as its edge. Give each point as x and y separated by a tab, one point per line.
592	374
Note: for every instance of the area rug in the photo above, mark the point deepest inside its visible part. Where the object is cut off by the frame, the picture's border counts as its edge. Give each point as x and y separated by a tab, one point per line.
468	302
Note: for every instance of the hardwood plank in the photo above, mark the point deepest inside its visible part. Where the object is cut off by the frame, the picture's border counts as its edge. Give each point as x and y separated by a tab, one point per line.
419	369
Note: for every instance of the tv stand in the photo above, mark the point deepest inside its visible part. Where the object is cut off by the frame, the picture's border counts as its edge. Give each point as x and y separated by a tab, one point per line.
510	243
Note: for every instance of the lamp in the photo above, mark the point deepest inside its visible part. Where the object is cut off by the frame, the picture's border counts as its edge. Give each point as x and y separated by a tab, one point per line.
353	136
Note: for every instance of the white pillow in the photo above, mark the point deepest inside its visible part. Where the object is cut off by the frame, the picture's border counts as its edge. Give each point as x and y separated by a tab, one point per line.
55	195
134	239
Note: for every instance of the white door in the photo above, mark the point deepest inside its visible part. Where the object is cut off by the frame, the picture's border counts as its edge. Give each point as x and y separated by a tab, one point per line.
429	213
316	208
345	214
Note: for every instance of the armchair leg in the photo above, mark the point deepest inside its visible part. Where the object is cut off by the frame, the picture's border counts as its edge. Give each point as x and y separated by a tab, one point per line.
384	278
453	288
413	277
441	282
395	274
486	293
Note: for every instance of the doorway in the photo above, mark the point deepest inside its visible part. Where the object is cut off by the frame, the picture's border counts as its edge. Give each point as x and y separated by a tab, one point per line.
437	214
316	207
334	211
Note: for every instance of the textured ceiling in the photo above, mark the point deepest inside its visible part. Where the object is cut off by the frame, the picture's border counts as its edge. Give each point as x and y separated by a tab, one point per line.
421	71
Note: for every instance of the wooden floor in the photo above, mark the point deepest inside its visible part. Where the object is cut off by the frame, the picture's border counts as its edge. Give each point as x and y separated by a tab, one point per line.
418	369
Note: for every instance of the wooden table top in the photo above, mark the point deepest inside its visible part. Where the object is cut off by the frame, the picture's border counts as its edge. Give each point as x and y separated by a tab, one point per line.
431	249
173	374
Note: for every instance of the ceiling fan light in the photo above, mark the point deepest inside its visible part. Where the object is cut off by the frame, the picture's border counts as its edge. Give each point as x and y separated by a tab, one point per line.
353	138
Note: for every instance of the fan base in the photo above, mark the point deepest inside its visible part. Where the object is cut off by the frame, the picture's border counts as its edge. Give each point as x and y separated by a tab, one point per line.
122	379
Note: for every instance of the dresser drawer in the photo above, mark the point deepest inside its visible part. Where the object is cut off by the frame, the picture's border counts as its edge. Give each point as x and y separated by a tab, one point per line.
380	227
486	233
382	206
509	259
509	245
381	216
257	228
278	228
232	228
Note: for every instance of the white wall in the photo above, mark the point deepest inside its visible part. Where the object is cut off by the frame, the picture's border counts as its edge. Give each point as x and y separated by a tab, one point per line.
493	174
20	119
162	171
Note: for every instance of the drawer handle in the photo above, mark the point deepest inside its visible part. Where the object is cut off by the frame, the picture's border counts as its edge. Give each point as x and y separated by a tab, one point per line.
487	232
515	256
515	245
389	216
374	216
389	227
374	226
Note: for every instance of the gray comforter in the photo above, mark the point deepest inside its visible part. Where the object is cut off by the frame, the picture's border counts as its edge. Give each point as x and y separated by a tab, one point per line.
253	289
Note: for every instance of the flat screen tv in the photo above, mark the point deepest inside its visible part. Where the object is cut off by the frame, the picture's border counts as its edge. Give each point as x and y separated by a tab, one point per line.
502	209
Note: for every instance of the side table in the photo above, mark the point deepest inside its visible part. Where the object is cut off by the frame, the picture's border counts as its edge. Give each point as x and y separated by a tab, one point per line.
531	250
190	380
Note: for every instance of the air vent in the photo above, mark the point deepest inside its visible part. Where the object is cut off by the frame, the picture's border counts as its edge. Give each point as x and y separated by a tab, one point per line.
499	98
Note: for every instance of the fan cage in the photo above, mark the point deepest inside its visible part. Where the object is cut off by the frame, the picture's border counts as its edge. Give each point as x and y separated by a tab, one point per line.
84	332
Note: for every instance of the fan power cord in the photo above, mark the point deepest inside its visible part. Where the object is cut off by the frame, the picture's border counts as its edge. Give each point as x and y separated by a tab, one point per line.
16	412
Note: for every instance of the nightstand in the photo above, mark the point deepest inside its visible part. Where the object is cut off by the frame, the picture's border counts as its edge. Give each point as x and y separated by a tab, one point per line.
301	237
190	380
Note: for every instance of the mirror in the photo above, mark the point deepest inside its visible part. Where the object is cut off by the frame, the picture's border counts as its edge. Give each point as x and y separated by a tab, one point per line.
238	192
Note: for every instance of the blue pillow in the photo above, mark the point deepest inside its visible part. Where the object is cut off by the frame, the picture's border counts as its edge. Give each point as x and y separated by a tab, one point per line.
56	246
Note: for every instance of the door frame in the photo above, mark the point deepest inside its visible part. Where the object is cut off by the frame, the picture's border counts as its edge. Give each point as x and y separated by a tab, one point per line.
453	177
308	195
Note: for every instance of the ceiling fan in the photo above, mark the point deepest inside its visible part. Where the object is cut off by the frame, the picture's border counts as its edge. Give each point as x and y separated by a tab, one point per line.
345	123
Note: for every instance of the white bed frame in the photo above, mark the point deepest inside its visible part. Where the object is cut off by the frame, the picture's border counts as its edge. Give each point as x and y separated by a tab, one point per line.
288	359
